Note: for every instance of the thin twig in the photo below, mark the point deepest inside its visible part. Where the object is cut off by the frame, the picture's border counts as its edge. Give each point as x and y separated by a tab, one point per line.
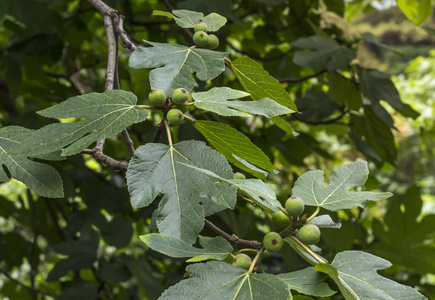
330	121
29	288
303	78
159	130
232	238
111	55
100	156
117	20
129	142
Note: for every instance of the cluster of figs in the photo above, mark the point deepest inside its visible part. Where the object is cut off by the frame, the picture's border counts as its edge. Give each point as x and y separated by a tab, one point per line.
286	223
158	98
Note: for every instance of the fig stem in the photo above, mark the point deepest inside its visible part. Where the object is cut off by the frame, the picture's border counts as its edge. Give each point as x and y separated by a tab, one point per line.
168	132
314	255
256	259
315	213
285	212
189	119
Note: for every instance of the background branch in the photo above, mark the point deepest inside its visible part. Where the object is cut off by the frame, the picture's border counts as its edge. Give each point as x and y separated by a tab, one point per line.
233	239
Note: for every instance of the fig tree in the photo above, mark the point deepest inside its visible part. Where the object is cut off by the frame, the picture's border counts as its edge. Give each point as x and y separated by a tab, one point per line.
213	41
201	26
309	234
179	96
280	220
272	241
294	206
242	261
157	98
175	117
201	39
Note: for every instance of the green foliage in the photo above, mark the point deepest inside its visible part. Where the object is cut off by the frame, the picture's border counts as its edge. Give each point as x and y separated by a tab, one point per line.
134	235
188	195
213	248
416	11
214	279
216	100
179	62
105	115
310	187
355	274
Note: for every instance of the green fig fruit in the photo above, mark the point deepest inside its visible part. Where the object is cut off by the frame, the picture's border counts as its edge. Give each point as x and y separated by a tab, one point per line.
201	39
213	41
201	26
239	175
179	96
309	234
157	98
175	117
294	206
280	221
242	261
272	241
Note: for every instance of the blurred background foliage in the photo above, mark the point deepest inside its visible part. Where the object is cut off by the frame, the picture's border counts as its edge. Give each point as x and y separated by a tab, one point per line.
86	245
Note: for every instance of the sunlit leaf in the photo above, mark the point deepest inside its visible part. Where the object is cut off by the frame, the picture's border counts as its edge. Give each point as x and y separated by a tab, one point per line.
234	146
217	100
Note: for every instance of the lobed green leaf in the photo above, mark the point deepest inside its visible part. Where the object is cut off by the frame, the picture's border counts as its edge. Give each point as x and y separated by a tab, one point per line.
307	281
310	187
187	194
221	281
175	63
355	274
105	115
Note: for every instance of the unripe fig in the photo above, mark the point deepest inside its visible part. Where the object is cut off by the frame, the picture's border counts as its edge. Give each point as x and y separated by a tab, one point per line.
157	98
201	26
201	39
175	117
280	220
239	175
179	96
242	261
213	41
294	206
309	234
272	241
